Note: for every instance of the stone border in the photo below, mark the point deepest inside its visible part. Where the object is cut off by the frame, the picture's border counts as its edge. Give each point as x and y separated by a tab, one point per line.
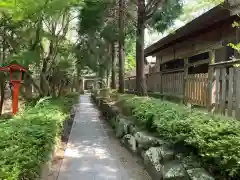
160	157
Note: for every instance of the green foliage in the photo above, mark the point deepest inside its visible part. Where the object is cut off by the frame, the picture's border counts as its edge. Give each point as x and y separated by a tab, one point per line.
235	24
26	57
22	10
216	138
92	15
130	46
165	15
28	139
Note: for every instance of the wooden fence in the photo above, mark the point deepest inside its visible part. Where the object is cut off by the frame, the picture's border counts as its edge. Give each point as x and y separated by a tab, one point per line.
172	84
153	82
219	89
226	91
196	89
130	83
192	89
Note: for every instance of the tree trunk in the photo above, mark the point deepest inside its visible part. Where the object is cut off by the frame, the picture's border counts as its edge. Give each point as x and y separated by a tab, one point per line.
42	84
43	79
45	87
113	77
107	78
37	34
77	85
140	78
2	76
121	46
34	84
28	87
2	88
60	91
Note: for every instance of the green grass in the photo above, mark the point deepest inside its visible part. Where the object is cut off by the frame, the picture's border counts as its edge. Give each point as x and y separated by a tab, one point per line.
27	139
216	139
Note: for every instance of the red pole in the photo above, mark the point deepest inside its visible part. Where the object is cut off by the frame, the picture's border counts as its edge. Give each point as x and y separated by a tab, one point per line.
16	86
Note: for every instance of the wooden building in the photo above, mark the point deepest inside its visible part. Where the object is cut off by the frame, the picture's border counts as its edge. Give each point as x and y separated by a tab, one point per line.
196	63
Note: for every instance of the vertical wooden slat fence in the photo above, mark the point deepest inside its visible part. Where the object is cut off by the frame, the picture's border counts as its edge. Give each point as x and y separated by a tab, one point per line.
226	91
153	82
230	92
196	89
172	83
237	94
130	83
219	89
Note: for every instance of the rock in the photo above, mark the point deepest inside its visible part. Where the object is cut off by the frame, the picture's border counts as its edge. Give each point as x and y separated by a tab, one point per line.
199	174
174	171
166	153
146	140
132	129
126	127
153	158
122	127
130	142
190	162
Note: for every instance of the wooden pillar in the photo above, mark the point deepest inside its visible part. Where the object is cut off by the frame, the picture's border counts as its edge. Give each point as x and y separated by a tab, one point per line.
210	80
16	87
185	80
161	87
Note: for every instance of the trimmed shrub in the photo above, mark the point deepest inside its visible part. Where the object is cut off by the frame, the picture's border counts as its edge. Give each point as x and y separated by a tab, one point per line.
216	138
28	139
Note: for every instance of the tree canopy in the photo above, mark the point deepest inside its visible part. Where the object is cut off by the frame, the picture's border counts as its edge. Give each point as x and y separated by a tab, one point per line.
109	34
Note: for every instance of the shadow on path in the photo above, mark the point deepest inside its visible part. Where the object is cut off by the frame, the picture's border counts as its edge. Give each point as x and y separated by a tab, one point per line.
93	153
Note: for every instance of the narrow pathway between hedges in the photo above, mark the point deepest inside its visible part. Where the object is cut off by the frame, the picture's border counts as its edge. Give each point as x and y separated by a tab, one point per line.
93	153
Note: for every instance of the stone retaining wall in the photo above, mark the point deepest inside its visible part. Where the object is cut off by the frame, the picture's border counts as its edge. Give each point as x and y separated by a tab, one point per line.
162	159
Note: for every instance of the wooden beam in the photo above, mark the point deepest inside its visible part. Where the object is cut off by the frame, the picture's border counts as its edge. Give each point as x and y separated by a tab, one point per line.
173	70
185	79
210	79
231	62
206	61
161	83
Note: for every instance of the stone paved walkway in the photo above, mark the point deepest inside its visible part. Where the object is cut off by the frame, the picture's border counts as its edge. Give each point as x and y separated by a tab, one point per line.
92	155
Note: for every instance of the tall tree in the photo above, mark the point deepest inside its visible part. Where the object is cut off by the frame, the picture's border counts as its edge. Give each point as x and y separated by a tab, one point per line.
158	14
105	25
35	31
121	45
113	77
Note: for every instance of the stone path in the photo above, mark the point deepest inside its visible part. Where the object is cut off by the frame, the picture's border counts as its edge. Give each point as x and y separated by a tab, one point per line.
93	153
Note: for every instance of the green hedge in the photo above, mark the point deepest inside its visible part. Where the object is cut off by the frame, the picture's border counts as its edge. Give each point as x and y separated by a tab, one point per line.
28	139
215	138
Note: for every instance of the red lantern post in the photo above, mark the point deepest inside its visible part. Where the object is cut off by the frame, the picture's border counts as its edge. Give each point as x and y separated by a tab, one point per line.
16	72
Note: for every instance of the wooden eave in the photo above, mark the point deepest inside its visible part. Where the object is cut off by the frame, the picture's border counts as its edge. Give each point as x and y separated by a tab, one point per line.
213	18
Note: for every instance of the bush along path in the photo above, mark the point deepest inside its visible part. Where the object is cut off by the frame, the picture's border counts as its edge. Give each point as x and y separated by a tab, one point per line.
28	139
174	141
